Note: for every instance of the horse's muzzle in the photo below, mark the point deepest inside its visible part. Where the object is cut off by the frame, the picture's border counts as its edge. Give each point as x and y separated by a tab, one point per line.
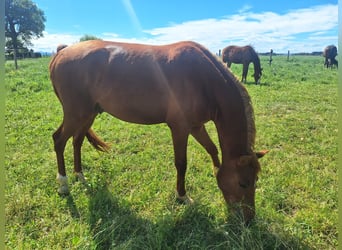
242	212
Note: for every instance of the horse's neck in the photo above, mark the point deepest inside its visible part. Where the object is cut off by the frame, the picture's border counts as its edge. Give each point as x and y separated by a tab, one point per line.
232	142
234	116
233	131
256	62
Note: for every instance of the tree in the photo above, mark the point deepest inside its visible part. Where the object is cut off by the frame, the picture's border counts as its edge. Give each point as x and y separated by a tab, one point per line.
23	21
89	37
9	48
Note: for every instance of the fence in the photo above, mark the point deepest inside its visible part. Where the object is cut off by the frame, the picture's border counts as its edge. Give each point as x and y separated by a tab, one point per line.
23	53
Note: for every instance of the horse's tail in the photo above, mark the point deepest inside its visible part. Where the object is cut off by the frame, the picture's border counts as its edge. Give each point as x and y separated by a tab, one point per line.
96	142
52	65
60	47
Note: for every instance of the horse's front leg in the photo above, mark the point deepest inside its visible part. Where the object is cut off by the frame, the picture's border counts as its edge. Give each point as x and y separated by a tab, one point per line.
180	142
202	136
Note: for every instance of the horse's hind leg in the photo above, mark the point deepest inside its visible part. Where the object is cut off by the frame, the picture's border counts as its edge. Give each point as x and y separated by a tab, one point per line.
202	136
70	127
244	72
326	64
60	138
77	145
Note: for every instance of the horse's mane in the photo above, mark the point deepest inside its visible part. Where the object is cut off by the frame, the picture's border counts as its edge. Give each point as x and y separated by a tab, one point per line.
249	113
256	60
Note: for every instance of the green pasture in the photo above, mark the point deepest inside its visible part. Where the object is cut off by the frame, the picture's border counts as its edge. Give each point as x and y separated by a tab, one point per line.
129	201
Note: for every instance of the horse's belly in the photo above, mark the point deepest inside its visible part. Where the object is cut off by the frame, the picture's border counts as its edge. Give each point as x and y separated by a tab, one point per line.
135	109
152	107
133	115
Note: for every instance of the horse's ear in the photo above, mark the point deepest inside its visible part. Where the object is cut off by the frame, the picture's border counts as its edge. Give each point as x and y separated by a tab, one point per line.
261	153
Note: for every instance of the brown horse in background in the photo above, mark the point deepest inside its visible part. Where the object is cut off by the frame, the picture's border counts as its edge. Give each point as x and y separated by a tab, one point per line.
181	84
330	52
243	55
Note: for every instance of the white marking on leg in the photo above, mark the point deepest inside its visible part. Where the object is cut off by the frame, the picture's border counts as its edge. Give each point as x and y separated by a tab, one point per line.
63	184
80	177
185	198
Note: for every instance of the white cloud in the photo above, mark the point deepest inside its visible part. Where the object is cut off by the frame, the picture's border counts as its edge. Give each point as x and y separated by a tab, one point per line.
263	30
301	30
49	42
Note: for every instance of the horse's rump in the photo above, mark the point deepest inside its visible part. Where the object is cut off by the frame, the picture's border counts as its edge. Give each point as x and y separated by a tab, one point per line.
330	51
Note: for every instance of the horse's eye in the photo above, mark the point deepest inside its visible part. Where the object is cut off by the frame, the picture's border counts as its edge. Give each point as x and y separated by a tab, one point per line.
243	185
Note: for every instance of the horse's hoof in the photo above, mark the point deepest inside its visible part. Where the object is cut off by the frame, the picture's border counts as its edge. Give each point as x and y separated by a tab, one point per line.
81	177
63	190
185	199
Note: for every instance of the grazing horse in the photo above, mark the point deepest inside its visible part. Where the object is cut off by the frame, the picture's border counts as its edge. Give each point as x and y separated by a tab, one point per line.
330	52
181	84
243	55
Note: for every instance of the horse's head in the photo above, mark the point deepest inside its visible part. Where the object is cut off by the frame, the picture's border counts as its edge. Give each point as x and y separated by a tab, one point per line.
257	75
237	181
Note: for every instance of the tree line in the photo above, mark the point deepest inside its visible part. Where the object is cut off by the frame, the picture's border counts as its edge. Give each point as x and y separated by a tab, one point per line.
22	53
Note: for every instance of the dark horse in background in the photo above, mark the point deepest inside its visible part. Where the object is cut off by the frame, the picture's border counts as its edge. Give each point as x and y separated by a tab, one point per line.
330	52
243	55
181	84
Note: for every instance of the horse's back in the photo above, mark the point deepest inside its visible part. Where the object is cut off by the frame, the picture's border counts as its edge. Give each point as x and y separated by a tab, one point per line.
238	54
117	59
137	83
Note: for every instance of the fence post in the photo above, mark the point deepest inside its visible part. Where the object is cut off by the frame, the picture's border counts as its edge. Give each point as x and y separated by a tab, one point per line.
271	53
288	55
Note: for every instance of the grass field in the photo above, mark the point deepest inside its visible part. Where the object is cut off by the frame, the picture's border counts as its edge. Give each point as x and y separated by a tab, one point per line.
129	202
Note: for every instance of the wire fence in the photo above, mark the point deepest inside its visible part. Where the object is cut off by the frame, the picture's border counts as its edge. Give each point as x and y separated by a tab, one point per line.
23	53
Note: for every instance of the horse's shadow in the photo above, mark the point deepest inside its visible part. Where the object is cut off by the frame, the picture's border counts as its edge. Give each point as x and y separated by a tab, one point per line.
260	84
72	207
113	224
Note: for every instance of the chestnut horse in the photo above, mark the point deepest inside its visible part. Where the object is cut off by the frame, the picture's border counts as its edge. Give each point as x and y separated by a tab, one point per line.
180	84
330	52
243	55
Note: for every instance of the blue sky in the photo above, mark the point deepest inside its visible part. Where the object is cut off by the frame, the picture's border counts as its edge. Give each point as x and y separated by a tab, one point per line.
295	25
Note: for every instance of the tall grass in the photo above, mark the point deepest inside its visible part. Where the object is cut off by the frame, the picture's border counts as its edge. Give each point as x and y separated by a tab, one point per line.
129	201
